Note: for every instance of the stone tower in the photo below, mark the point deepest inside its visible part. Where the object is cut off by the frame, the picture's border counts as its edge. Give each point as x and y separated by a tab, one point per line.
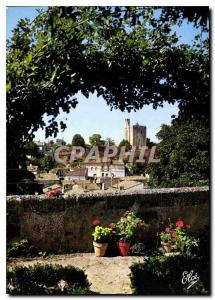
135	134
127	130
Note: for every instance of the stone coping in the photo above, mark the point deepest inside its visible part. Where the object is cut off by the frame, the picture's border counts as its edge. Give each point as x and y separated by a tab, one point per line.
110	194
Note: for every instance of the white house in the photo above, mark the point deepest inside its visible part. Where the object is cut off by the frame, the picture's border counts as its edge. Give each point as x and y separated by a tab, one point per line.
105	169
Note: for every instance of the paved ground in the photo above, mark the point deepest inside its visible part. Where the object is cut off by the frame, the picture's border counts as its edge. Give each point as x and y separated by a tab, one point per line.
107	275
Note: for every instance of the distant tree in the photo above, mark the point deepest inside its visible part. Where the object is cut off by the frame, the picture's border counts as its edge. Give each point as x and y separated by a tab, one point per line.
60	142
78	140
184	156
31	148
51	143
96	140
126	144
149	143
46	163
109	141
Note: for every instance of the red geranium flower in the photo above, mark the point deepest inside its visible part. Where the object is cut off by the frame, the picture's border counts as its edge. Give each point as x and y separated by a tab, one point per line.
180	223
174	234
112	226
167	229
96	222
188	226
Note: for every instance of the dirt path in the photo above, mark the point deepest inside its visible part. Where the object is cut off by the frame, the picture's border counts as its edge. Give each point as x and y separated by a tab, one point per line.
107	275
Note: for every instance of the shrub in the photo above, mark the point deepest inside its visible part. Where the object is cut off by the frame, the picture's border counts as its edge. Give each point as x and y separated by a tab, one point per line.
138	249
21	248
13	220
22	182
203	249
47	280
162	275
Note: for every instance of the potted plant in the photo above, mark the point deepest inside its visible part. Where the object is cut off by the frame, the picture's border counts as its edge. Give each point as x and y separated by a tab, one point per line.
176	237
101	236
112	249
167	240
126	228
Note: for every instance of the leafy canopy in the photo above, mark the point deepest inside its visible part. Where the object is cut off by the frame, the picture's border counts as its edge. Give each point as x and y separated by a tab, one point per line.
78	140
96	140
129	55
184	156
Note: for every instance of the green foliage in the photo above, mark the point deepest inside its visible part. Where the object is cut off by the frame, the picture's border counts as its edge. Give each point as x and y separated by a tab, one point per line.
198	15
180	237
13	220
96	140
109	141
21	248
47	280
149	143
127	226
101	234
21	182
162	275
137	170
31	149
128	55
78	140
204	247
138	249
126	144
184	156
46	163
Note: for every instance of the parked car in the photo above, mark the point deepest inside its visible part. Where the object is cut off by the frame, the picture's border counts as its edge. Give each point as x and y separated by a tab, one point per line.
54	193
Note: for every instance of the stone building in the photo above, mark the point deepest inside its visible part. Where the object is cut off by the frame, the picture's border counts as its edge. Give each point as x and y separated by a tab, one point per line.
77	174
105	169
135	134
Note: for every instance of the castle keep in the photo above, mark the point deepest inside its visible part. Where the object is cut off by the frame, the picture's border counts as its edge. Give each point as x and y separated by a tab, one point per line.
135	134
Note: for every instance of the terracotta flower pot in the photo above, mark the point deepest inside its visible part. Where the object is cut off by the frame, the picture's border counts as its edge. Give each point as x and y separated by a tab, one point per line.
100	248
123	248
168	247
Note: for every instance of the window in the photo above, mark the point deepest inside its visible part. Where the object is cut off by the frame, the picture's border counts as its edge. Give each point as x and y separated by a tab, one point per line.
106	174
91	168
102	174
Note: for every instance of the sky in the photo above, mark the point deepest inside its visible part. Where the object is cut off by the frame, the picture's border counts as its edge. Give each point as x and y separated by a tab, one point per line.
92	115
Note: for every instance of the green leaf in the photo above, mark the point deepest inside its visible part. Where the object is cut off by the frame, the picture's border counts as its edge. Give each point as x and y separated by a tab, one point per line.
8	86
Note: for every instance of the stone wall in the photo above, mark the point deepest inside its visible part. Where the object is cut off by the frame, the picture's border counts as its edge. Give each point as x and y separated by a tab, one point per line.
64	224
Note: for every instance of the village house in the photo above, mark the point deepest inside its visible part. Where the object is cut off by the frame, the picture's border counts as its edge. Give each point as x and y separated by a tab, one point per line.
105	169
77	174
48	179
